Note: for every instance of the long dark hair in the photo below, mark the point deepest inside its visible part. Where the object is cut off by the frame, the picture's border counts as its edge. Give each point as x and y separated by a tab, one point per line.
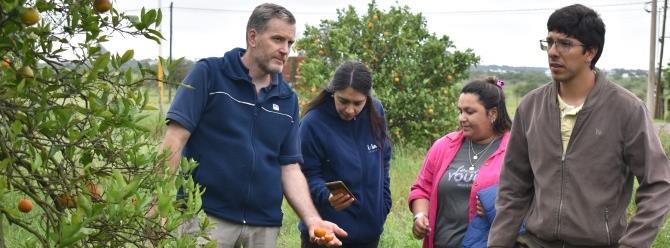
357	76
491	95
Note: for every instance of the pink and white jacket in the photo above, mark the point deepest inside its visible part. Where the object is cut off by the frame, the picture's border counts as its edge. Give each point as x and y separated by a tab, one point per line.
437	161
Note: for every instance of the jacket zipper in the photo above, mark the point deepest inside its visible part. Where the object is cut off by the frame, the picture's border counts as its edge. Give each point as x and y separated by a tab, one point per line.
560	200
253	160
607	227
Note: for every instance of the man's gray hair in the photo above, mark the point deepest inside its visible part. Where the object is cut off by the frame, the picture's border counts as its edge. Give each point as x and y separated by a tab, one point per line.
264	13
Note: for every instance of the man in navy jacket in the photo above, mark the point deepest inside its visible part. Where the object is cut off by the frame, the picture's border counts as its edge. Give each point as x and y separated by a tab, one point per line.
239	121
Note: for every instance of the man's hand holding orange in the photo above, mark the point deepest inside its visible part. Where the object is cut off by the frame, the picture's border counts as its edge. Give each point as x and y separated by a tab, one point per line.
326	233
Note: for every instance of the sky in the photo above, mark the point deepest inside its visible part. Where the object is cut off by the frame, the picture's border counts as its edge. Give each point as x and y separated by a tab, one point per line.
501	32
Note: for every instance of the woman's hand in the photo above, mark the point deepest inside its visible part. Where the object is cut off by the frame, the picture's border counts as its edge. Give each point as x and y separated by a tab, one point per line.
480	209
421	226
340	201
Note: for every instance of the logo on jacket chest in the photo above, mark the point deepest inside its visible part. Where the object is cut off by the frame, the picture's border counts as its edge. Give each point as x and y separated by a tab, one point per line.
372	147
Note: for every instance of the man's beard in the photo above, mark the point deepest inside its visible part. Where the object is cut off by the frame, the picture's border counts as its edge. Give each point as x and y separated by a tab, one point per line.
266	66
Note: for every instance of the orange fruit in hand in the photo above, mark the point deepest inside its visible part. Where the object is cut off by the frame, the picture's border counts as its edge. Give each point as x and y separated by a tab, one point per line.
328	237
319	232
25	205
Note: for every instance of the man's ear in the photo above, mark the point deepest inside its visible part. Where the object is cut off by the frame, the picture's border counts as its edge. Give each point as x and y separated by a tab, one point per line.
590	54
251	38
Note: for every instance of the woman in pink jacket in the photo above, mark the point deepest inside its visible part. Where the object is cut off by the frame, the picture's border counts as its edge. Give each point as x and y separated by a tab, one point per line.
459	165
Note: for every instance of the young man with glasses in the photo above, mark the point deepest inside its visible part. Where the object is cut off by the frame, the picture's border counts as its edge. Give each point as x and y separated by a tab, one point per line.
576	146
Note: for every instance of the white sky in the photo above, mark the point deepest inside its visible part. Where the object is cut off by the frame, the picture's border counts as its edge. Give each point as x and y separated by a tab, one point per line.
500	32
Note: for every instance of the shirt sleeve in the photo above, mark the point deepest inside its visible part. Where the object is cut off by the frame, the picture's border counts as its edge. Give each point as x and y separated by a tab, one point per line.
290	149
423	185
191	98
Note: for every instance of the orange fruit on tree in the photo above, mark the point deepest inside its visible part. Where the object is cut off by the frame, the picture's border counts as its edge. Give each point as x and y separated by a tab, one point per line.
30	16
26	72
94	190
25	205
319	232
5	63
102	6
67	201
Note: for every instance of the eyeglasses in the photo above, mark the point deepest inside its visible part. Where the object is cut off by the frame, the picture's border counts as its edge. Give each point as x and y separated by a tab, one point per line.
563	46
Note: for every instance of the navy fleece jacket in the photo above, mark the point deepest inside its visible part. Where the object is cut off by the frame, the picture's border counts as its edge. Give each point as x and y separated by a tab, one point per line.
240	140
334	149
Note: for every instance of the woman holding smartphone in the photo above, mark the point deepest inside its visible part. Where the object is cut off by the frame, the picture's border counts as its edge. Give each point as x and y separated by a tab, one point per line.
344	138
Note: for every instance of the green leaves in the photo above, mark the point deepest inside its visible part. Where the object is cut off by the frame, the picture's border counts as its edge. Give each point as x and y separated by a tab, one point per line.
126	56
145	20
71	138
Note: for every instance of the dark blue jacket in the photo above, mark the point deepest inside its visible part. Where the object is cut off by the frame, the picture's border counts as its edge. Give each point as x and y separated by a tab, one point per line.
478	230
239	141
334	149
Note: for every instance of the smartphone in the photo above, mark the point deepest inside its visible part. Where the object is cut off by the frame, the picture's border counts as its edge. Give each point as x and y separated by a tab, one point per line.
339	187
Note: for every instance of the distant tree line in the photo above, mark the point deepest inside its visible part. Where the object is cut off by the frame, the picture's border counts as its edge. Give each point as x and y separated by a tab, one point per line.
524	79
521	79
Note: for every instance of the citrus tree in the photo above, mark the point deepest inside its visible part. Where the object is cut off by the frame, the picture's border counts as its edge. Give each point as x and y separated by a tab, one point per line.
414	71
76	167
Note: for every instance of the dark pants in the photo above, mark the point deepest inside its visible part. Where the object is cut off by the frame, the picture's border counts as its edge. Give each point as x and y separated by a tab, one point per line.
306	244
